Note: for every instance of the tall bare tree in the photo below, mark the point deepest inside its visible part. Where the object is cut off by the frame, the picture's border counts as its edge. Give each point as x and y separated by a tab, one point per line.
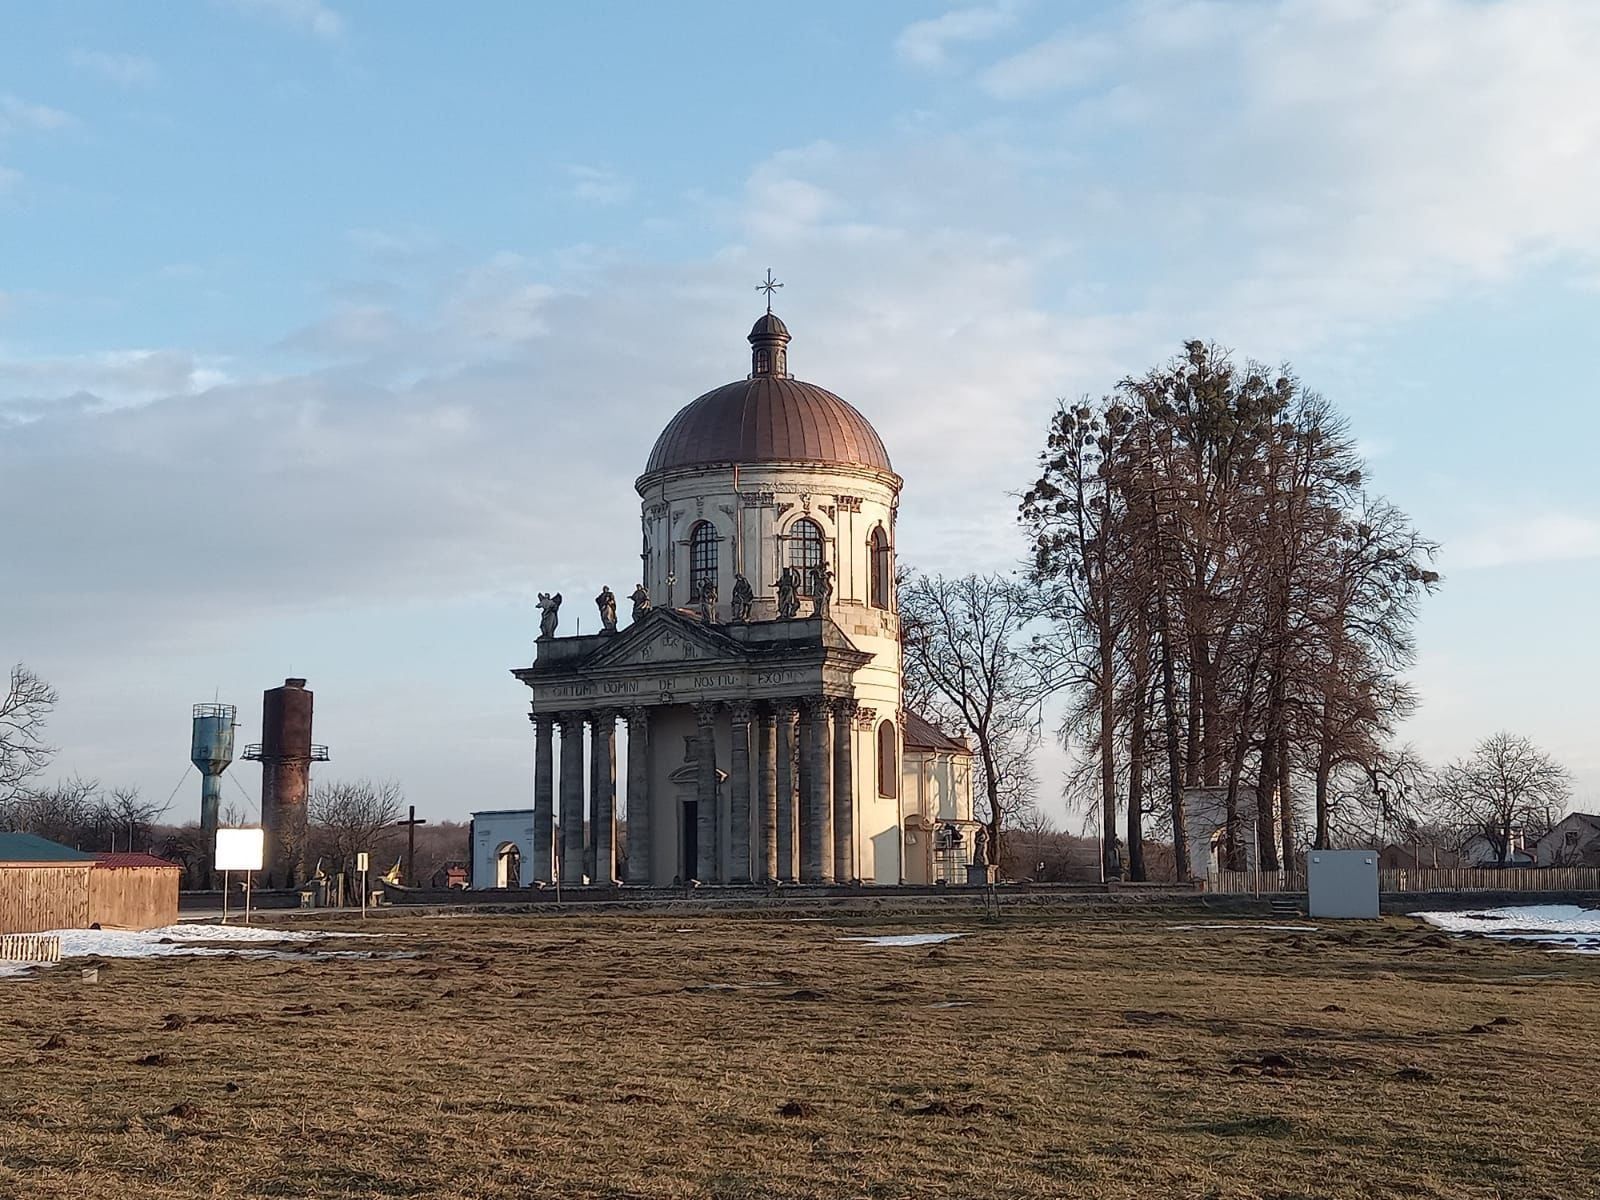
26	707
346	817
1505	786
966	658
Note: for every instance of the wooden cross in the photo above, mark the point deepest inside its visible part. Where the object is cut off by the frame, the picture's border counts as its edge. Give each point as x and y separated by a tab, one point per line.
410	826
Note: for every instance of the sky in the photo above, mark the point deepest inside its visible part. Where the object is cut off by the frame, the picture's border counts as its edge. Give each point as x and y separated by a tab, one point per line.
331	333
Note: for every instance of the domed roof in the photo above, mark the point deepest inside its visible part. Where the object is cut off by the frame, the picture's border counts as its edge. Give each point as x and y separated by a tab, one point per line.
767	418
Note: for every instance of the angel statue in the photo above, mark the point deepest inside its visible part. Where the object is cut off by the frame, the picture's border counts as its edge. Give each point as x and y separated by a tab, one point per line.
744	598
606	602
641	601
549	614
821	588
788	594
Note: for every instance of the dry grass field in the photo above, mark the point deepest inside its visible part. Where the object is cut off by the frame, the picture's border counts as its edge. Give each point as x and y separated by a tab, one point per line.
1061	1054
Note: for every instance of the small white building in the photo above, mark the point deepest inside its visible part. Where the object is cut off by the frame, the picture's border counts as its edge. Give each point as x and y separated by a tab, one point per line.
502	843
936	803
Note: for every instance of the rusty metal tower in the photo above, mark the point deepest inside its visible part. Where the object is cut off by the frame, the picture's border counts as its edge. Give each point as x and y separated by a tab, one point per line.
285	753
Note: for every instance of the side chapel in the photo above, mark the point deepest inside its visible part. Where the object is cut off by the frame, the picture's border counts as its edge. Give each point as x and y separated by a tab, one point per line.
758	682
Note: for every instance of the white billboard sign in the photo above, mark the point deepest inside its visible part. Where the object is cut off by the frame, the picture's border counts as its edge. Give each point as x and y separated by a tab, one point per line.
239	849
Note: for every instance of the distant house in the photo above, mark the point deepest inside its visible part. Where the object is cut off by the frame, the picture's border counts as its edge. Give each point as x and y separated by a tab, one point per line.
45	885
1479	850
1411	856
451	875
1573	842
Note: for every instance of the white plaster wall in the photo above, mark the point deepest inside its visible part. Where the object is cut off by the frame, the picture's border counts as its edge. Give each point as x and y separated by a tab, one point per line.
490	831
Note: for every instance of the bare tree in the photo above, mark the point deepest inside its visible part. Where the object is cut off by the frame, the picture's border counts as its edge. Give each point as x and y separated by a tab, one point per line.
1505	786
966	657
347	817
26	707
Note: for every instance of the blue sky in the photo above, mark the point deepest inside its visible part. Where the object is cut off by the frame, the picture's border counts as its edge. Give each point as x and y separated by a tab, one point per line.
330	333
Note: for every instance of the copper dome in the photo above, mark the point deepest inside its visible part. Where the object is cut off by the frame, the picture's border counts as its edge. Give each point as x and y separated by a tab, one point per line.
767	418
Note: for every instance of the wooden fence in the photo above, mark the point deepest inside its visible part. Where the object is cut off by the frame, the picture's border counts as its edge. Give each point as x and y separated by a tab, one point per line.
29	948
36	898
1422	879
133	897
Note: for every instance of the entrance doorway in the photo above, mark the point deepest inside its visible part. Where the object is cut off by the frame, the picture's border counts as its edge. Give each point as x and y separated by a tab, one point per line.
508	866
689	839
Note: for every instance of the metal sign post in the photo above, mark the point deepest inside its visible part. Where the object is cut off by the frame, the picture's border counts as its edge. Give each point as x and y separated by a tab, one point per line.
361	865
225	883
247	875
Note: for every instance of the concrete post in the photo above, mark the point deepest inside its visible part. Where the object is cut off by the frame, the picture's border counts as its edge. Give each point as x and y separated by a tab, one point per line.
786	835
739	779
603	796
544	794
572	798
706	867
766	798
639	832
844	799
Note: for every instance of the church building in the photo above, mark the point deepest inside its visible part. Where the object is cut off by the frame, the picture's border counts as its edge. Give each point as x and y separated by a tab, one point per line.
758	680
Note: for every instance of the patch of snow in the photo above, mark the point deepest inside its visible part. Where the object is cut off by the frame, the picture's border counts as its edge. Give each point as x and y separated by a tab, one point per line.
904	939
186	941
1577	928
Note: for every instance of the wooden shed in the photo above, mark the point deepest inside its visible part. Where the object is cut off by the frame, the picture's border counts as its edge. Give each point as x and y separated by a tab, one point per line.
45	885
133	891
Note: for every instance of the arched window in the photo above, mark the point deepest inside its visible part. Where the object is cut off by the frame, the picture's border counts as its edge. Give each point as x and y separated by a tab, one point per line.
882	567
888	760
805	549
702	558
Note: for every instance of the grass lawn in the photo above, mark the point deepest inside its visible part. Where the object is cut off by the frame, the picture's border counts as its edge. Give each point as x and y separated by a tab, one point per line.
1060	1054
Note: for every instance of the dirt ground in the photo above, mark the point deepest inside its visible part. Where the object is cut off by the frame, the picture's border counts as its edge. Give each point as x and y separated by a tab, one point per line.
722	1056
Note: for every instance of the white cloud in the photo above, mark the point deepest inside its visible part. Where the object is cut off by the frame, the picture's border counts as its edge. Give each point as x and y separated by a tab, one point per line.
19	116
126	70
927	43
303	16
30	387
595	185
1532	537
9	178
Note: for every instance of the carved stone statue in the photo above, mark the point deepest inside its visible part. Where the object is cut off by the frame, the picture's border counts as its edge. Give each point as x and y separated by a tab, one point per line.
788	594
821	588
980	847
549	613
606	602
708	601
641	601
744	598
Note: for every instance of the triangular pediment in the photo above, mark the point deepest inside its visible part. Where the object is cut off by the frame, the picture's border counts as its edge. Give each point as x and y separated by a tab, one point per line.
662	637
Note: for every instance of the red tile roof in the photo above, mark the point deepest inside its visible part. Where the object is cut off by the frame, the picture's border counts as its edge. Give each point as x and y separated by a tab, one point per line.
108	859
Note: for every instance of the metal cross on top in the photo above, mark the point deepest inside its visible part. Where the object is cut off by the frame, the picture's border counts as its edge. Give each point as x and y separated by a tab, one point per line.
768	285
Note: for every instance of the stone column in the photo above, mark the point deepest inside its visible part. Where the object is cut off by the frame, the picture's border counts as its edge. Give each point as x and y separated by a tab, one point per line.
786	835
571	798
739	780
603	796
816	864
639	832
766	798
544	795
844	792
705	758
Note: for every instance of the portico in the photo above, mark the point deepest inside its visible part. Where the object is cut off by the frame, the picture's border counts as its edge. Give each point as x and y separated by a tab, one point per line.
717	720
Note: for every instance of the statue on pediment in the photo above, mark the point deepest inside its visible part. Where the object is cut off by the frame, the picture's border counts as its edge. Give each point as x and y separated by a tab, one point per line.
641	601
821	588
708	601
549	614
606	602
789	594
744	598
